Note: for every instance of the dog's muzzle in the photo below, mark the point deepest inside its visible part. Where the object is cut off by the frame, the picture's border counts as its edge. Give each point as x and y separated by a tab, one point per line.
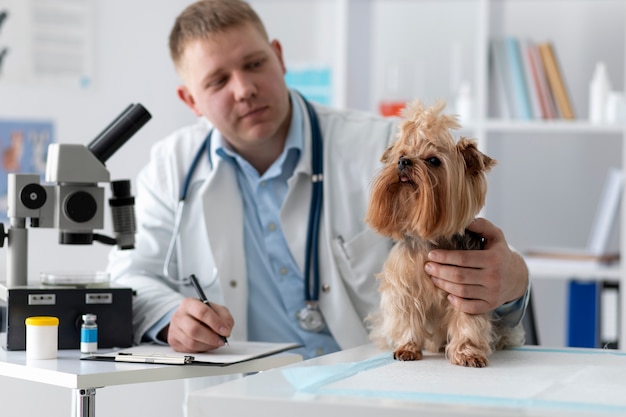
403	165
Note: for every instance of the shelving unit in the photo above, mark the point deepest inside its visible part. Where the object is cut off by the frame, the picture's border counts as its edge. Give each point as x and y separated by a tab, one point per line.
507	18
545	188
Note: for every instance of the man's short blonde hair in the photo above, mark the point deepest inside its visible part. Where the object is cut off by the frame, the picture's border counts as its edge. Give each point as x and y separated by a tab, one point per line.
205	18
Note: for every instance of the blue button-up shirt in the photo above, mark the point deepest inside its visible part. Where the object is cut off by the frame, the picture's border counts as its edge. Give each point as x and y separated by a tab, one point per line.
276	284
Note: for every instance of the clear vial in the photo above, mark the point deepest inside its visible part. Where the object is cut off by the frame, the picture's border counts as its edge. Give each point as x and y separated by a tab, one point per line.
89	334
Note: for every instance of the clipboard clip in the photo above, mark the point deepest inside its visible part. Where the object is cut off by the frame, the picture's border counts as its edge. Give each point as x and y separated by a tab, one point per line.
158	359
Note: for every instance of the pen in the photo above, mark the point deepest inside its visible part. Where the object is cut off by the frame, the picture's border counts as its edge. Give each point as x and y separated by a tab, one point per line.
202	297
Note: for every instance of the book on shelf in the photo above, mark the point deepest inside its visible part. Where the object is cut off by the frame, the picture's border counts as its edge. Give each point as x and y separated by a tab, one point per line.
603	237
609	315
583	328
539	82
528	80
521	100
503	85
511	81
556	80
572	254
525	47
603	243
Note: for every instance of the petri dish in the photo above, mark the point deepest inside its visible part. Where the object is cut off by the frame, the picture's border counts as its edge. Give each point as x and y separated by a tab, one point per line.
75	278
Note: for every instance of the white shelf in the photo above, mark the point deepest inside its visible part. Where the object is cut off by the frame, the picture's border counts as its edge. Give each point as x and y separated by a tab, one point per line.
574	127
566	270
577	127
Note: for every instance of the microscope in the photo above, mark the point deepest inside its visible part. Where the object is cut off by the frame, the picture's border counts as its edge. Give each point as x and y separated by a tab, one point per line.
71	201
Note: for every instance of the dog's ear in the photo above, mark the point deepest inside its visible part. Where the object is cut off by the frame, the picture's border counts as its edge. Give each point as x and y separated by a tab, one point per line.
386	155
475	161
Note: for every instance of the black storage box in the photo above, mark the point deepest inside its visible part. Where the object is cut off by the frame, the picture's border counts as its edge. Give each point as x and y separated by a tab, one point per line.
112	305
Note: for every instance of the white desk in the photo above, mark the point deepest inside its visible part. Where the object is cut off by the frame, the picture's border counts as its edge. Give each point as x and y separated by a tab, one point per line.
365	382
84	377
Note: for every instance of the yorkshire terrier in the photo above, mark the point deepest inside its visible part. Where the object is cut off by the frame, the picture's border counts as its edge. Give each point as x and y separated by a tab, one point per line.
424	197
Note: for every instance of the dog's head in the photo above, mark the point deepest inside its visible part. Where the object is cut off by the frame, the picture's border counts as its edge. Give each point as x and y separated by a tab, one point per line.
430	186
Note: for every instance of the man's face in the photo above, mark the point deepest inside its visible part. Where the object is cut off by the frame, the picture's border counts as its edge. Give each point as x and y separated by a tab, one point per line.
236	80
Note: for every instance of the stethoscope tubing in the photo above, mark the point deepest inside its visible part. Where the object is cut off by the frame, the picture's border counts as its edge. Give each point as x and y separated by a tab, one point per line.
180	208
311	286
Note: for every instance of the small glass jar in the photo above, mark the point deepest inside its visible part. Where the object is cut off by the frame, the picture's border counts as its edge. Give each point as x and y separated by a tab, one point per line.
89	334
42	337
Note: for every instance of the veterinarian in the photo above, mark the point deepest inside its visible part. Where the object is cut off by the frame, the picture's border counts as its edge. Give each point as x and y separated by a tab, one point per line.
246	198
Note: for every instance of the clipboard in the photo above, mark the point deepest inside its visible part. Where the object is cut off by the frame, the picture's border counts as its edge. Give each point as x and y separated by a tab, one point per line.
235	352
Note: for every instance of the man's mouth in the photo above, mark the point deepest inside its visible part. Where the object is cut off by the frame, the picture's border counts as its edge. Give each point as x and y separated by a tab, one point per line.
254	112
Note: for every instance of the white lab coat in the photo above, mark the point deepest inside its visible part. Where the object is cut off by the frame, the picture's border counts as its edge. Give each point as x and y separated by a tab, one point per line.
210	244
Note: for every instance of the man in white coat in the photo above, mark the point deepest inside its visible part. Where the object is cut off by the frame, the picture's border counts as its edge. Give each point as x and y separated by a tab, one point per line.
243	230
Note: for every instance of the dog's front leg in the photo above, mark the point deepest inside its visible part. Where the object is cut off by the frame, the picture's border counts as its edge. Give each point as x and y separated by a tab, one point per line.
410	351
401	323
470	339
410	330
402	327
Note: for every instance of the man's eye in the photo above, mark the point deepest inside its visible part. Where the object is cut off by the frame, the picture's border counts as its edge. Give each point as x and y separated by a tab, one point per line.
255	64
216	83
434	161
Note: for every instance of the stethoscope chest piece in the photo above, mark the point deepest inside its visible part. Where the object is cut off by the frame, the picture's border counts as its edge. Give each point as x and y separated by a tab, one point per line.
310	318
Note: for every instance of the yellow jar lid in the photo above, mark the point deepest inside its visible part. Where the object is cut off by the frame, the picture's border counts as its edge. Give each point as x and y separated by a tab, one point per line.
42	321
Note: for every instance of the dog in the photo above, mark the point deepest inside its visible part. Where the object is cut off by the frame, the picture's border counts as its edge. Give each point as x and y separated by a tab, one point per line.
428	191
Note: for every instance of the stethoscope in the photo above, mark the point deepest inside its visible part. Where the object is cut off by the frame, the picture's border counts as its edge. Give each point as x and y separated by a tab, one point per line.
309	317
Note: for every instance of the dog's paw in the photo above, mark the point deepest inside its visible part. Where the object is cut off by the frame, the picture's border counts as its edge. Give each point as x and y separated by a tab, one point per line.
471	361
408	352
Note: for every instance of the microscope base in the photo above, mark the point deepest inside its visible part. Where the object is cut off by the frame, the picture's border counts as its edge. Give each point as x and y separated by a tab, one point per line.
112	305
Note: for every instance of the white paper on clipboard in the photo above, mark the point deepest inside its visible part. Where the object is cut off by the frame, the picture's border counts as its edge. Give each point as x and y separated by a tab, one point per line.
235	352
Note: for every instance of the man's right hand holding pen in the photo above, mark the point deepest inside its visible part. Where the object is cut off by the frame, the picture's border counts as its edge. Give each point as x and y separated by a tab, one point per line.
198	327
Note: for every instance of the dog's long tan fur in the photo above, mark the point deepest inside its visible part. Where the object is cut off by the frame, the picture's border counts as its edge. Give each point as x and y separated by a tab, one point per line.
428	191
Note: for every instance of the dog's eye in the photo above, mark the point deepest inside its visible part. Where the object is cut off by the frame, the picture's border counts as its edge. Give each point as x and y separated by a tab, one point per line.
434	161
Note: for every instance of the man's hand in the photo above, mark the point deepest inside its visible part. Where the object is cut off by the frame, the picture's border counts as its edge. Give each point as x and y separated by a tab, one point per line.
196	327
479	281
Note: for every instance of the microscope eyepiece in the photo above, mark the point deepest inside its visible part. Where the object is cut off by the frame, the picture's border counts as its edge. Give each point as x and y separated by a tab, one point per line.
119	131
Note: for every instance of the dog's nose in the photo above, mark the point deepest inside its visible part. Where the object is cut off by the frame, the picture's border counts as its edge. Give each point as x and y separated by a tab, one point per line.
404	163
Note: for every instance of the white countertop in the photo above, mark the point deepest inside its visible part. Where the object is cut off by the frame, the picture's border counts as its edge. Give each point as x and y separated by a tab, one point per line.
364	382
71	372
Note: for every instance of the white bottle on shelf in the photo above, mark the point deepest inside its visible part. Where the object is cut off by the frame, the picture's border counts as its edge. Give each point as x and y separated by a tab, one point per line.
599	88
463	103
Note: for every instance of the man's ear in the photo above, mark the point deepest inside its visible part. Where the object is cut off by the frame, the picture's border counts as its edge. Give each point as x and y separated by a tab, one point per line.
278	50
186	97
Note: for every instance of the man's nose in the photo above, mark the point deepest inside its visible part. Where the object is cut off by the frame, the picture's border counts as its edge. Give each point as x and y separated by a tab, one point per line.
243	86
